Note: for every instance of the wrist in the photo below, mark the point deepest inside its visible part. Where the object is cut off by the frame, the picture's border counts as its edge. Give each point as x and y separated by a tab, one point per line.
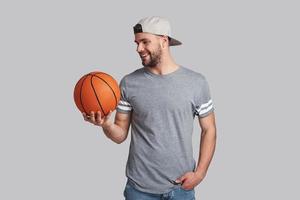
107	126
200	174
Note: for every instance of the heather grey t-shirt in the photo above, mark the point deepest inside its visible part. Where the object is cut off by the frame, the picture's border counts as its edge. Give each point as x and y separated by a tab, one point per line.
163	109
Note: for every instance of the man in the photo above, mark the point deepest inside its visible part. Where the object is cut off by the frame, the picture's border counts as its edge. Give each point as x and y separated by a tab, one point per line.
160	102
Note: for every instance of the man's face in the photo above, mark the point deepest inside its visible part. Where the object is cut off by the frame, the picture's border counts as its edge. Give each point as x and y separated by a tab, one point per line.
149	49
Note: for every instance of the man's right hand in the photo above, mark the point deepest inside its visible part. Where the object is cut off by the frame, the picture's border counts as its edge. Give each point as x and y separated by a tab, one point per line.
97	119
117	131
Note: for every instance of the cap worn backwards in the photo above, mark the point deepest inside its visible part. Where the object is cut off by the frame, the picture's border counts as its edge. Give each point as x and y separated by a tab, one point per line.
156	25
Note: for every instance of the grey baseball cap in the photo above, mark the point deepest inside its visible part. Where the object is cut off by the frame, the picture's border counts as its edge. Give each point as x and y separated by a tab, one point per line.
156	25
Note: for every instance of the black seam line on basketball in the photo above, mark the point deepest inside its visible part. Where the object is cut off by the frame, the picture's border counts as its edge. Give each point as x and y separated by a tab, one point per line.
109	87
85	76
96	94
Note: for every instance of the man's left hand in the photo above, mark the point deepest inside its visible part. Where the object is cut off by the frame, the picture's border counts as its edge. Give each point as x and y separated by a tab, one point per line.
190	180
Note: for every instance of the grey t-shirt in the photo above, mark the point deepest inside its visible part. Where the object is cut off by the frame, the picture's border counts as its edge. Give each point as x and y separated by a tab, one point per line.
163	109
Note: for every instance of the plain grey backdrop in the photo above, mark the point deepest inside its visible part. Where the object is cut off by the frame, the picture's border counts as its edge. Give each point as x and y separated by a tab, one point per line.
248	50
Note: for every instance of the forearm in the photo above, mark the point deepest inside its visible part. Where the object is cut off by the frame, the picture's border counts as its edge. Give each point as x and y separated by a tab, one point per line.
206	150
115	133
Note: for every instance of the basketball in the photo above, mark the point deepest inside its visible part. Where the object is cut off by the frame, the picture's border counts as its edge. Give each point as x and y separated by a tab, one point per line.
96	91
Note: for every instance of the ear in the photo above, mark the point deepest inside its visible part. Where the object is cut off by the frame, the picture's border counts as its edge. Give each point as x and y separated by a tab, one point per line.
165	41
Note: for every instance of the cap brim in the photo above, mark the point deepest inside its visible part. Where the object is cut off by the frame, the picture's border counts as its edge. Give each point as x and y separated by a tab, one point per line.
174	42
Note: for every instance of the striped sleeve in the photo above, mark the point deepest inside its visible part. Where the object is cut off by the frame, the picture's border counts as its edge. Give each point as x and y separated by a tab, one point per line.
124	104
204	104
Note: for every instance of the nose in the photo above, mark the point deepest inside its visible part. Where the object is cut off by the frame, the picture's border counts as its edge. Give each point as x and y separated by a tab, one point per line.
139	48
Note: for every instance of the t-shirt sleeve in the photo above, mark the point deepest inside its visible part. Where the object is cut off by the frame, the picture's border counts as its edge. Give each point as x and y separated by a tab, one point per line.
203	103
124	104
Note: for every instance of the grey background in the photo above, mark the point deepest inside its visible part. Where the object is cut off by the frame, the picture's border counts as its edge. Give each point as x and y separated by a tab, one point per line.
248	50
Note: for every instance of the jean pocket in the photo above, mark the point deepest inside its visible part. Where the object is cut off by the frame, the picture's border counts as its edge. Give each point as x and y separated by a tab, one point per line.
191	190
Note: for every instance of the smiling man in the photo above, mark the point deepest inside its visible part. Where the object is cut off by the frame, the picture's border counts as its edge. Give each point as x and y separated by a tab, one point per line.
160	101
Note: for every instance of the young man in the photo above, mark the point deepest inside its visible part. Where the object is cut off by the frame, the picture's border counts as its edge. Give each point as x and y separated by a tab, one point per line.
160	102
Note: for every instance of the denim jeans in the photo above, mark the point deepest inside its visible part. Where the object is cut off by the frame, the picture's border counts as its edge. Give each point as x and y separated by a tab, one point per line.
130	193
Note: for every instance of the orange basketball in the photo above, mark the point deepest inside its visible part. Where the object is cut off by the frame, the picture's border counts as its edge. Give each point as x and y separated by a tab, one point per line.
97	91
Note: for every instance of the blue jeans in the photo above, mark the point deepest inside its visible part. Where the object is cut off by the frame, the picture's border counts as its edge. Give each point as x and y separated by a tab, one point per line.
130	193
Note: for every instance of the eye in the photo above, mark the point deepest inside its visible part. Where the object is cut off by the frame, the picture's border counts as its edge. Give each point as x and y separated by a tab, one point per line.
146	42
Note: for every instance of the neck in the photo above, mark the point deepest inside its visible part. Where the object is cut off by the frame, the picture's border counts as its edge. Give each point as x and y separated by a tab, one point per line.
166	66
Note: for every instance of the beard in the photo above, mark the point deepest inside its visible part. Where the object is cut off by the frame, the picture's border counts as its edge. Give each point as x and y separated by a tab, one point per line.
155	58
